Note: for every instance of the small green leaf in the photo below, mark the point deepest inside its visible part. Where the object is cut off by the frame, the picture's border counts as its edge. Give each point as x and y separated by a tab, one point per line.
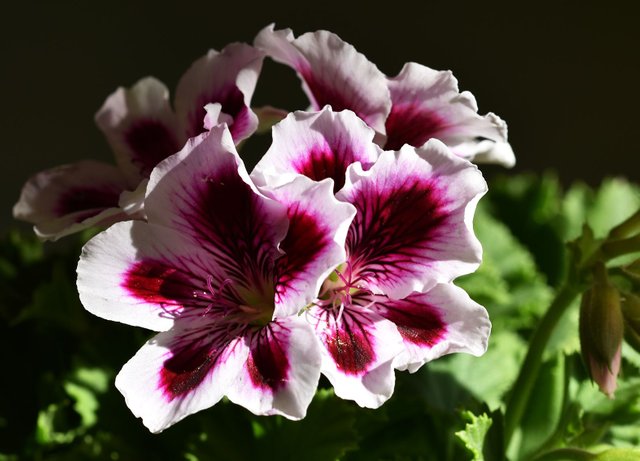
474	433
618	454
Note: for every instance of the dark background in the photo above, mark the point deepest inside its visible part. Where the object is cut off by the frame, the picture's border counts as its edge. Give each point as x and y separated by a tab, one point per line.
563	75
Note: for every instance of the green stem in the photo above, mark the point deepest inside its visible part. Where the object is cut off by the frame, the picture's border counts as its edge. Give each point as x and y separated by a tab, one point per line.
614	248
568	454
628	227
521	389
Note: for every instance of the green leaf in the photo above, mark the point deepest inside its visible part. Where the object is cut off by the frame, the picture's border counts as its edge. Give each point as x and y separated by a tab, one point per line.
618	454
474	433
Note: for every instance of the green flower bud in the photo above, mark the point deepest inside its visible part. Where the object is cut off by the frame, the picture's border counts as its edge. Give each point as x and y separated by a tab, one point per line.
601	331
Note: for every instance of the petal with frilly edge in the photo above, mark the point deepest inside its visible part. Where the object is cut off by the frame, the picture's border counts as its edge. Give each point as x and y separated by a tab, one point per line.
227	77
441	321
358	348
427	104
140	127
314	245
318	145
282	370
180	372
413	226
333	72
69	198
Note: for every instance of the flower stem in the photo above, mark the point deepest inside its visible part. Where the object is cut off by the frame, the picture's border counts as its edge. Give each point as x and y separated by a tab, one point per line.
521	389
613	248
628	227
569	454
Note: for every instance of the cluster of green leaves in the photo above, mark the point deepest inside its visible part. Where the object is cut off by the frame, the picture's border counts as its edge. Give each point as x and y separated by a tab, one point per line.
59	401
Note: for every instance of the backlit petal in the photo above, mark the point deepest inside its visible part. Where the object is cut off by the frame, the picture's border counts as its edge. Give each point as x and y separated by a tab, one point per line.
333	72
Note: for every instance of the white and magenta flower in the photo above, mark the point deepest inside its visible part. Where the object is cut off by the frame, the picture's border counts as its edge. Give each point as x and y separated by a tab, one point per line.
222	271
391	304
417	105
143	129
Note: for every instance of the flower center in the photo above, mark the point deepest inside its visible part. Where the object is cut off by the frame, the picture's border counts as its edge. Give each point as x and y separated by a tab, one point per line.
339	289
236	304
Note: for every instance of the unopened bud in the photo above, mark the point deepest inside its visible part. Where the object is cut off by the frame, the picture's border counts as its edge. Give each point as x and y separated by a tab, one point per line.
601	331
631	313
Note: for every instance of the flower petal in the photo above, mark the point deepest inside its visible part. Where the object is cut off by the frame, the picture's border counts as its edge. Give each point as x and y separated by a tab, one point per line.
314	245
143	275
427	104
441	321
358	350
205	193
282	370
318	145
228	78
140	127
69	198
180	372
332	71
413	227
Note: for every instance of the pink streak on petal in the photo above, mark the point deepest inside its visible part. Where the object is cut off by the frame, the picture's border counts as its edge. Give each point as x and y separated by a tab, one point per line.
150	142
395	228
90	201
157	283
324	161
424	327
350	349
267	363
232	101
305	240
185	370
410	124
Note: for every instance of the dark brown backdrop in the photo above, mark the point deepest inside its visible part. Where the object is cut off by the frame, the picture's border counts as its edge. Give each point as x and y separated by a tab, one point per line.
563	75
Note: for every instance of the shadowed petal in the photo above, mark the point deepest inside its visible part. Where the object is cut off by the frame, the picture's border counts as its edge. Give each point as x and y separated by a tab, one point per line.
318	145
441	321
281	373
413	227
69	198
427	104
140	127
227	77
332	71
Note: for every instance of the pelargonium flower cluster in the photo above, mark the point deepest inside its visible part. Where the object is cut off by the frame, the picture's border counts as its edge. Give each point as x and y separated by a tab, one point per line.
335	256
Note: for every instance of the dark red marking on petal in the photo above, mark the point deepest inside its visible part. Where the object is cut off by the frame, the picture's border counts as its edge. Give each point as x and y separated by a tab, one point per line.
232	101
151	142
229	221
185	370
154	282
267	363
395	227
90	201
305	241
351	350
410	124
418	323
326	161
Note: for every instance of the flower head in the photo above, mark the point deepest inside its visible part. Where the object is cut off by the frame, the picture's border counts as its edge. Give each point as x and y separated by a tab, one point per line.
391	304
143	129
222	271
411	108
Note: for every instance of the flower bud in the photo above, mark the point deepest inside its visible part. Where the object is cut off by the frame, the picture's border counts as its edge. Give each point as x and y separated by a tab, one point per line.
601	331
631	314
